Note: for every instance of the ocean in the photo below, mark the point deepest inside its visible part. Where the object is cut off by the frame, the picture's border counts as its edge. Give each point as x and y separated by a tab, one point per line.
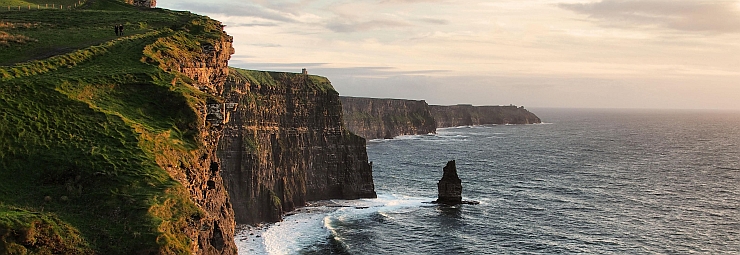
584	182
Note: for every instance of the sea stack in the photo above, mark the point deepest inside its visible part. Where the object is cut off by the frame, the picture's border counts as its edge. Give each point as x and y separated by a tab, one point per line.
450	186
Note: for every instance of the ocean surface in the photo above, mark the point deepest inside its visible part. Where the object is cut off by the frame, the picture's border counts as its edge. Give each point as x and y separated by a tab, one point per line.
586	181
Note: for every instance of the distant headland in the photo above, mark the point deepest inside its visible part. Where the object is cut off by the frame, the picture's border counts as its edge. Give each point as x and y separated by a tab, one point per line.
374	118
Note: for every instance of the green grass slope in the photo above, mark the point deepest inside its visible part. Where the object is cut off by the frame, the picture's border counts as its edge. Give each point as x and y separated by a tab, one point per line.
272	79
80	132
36	3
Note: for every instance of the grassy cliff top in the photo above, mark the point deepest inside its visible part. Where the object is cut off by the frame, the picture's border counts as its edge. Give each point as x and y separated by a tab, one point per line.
26	3
41	33
277	79
84	117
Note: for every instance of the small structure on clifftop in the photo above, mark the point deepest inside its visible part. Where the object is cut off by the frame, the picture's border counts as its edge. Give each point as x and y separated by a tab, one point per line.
450	187
143	3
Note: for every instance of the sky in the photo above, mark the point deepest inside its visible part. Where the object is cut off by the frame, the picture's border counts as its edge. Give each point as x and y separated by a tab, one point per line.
655	54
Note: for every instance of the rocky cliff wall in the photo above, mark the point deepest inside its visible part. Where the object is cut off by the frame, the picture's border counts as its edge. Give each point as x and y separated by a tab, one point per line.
374	118
467	115
199	170
215	233
284	145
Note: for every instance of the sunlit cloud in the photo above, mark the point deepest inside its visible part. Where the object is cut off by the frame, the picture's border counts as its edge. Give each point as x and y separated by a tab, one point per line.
349	27
700	16
556	53
435	21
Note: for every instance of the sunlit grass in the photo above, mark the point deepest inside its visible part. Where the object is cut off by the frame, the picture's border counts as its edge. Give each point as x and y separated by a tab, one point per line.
88	122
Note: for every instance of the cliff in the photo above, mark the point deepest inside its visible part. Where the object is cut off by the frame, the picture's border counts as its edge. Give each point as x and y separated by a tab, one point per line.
285	144
199	169
467	115
111	148
374	118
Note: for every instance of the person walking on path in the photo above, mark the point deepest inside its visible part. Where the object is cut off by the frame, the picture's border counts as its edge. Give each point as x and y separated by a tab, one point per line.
117	30
120	29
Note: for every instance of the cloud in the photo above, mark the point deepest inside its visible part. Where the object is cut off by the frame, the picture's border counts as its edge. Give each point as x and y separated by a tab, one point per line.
342	26
370	71
255	24
408	1
267	45
694	16
325	69
295	67
237	9
435	21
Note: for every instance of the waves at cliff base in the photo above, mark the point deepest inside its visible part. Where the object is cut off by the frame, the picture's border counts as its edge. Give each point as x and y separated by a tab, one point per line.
313	229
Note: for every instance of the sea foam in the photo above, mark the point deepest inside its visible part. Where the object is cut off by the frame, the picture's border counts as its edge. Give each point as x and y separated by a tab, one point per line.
314	224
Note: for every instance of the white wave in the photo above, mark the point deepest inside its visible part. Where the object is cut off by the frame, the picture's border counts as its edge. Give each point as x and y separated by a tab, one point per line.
294	233
452	135
411	137
401	137
313	224
453	128
249	240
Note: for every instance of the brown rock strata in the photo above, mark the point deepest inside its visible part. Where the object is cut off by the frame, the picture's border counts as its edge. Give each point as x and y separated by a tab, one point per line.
285	145
200	170
468	115
373	118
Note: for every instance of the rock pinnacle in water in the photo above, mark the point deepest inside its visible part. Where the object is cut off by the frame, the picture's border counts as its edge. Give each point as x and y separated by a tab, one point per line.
450	186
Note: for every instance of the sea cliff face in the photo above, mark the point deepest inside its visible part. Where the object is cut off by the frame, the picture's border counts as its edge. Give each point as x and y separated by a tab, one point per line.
284	145
200	171
374	118
467	115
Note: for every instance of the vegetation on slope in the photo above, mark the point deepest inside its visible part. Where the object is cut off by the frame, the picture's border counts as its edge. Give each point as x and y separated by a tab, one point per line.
80	132
36	3
274	79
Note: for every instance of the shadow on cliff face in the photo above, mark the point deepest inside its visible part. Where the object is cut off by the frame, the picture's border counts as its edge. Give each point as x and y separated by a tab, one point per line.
374	118
285	145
